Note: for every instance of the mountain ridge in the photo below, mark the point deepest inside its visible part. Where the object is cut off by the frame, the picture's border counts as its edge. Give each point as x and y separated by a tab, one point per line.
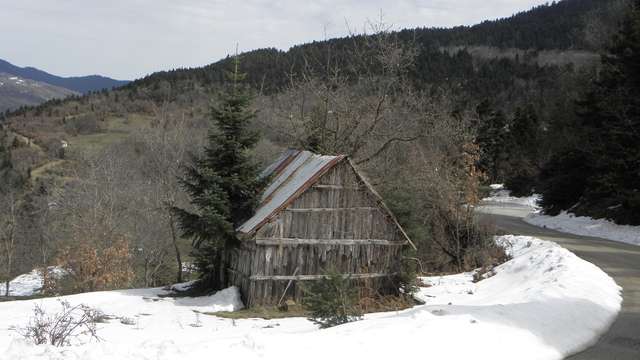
80	84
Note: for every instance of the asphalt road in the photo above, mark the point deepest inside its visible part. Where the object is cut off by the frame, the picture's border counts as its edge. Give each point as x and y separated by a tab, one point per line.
620	261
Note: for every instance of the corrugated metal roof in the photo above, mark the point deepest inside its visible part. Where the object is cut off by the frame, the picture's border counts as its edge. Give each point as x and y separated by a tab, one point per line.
279	164
293	173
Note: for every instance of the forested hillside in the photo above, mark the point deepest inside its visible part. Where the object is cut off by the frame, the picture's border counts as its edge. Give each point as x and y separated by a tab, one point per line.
427	114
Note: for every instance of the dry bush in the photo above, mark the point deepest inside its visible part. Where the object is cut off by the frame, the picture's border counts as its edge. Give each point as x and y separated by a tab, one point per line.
371	301
49	281
82	125
432	185
61	328
92	269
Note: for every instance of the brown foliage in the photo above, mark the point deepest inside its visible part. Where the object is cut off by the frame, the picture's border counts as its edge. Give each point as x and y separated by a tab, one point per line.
92	269
49	281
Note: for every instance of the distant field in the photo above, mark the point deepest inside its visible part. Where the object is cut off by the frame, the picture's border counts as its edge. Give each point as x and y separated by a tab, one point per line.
116	129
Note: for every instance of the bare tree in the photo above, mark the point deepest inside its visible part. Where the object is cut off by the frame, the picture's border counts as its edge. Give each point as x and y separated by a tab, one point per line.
8	231
358	104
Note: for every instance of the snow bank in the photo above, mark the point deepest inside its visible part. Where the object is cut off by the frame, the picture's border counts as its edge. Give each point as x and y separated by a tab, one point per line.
565	222
181	287
31	283
586	226
543	304
501	195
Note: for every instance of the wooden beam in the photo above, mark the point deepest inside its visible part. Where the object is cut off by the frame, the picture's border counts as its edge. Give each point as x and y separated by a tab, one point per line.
238	272
337	187
295	241
314	277
361	208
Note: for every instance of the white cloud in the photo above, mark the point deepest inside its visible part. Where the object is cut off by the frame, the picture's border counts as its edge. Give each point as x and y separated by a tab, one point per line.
131	38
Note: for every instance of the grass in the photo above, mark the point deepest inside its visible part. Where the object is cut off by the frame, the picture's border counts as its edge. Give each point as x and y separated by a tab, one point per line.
367	305
41	170
266	313
115	129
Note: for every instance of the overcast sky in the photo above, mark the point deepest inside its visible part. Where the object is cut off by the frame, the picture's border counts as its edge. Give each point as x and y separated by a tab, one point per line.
126	39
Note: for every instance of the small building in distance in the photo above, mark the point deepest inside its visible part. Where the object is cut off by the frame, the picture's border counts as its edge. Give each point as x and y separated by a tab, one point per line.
317	213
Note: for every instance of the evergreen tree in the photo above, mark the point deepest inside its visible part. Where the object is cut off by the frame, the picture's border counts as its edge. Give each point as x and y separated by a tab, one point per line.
10	179
522	146
609	119
332	300
492	132
223	183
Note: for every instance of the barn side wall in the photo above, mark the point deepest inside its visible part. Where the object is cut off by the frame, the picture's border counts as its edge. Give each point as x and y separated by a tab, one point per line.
337	223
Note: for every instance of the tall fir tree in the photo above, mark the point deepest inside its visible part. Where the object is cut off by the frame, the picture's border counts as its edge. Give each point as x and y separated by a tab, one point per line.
491	137
10	178
609	121
223	183
522	145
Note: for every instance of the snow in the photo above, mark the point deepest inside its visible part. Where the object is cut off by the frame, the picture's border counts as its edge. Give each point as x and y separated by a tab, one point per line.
17	80
586	226
566	222
545	303
31	283
502	195
182	286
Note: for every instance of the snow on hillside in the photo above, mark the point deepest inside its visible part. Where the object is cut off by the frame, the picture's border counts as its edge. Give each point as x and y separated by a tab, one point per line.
545	303
31	283
502	195
586	226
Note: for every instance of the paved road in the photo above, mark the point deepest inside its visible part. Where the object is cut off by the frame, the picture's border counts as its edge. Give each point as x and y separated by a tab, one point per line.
620	261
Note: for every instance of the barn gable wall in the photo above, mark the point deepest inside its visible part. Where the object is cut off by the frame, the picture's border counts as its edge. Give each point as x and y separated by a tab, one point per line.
337	223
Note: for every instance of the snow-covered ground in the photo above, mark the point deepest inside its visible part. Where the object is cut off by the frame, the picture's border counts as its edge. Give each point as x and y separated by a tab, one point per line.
31	283
501	195
545	303
528	208
582	225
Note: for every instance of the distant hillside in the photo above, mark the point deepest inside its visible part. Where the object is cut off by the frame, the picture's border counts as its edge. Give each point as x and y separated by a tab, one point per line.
81	84
569	31
537	57
16	91
557	25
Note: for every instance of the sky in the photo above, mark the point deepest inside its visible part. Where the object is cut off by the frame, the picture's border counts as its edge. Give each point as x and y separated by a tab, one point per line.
127	39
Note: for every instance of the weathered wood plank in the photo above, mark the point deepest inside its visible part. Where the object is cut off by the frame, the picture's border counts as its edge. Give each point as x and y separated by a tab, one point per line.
315	277
296	241
336	187
361	208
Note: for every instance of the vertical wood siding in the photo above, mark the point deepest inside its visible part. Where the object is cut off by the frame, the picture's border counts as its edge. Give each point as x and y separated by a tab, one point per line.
306	236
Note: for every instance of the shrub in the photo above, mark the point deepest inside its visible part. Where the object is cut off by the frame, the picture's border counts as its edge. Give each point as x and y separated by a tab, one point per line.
92	269
60	328
407	278
332	300
82	125
467	244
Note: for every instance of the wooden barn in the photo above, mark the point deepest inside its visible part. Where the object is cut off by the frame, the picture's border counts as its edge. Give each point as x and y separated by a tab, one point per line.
317	213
